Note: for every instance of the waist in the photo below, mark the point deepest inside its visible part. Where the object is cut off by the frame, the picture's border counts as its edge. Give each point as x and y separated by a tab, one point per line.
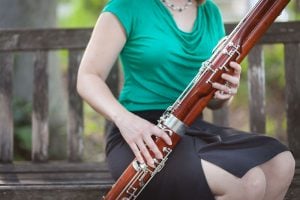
113	136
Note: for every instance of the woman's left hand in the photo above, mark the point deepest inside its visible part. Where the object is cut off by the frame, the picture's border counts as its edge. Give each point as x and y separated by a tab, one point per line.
230	88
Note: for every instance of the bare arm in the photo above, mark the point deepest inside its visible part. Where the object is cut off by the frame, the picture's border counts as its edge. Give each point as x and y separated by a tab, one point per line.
104	46
106	42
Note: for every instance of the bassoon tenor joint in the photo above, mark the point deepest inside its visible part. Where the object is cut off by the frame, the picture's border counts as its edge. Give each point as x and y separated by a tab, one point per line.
231	49
174	124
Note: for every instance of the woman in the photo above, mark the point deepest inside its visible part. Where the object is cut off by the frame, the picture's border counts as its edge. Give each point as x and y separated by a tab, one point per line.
162	43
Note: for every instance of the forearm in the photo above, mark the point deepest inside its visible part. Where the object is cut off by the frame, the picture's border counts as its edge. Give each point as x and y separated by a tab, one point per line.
97	94
136	131
218	103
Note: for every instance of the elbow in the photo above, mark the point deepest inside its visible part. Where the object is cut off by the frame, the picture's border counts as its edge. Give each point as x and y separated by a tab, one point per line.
79	85
78	88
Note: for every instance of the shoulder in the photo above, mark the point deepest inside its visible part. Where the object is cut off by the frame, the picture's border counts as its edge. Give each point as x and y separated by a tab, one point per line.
129	8
211	5
214	17
212	10
126	11
124	4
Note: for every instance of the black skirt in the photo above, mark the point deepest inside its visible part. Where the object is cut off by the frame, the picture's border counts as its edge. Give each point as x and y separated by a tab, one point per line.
183	178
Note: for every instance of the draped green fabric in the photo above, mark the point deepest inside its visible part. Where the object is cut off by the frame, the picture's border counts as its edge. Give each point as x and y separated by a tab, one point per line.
159	59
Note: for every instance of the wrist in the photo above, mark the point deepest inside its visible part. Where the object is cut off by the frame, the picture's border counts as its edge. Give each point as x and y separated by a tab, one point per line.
216	103
119	115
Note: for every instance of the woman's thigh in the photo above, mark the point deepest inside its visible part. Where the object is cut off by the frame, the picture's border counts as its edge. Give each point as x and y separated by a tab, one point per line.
217	177
225	185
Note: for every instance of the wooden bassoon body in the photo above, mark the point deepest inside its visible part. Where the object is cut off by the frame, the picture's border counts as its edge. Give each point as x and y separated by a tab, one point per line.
198	93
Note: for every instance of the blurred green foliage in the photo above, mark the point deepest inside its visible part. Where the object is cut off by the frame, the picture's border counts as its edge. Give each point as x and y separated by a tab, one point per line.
294	11
22	129
80	13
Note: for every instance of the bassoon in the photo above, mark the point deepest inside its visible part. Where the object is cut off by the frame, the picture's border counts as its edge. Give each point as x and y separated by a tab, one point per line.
198	93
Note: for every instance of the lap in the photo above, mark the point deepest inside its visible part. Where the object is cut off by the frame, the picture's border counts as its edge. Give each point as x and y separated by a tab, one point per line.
181	178
217	177
228	153
223	183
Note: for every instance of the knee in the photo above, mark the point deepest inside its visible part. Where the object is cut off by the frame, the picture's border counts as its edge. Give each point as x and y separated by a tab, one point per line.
254	183
285	166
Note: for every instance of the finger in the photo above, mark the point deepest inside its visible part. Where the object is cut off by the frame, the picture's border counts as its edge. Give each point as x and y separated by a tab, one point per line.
143	149
222	96
221	87
151	144
162	134
233	91
233	80
237	67
136	152
225	90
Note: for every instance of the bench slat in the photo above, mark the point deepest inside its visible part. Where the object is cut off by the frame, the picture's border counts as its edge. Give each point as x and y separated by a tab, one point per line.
279	32
58	180
257	91
43	39
292	77
75	122
40	130
48	39
6	114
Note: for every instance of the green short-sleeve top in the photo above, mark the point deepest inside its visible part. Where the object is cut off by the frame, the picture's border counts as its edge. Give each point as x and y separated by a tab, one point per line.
159	59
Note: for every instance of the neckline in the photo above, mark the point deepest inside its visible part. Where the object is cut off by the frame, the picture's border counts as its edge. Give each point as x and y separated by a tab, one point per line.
173	21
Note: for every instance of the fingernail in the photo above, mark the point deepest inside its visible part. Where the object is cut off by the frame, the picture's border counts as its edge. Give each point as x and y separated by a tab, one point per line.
151	163
160	156
170	142
141	162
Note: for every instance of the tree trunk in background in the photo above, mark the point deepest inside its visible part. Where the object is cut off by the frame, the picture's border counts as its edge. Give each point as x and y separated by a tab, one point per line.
298	5
36	14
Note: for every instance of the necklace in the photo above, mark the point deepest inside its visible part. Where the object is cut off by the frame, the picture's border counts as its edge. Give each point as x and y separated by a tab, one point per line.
177	8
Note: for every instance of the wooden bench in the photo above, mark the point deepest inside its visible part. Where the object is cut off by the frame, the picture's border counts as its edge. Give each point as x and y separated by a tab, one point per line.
72	179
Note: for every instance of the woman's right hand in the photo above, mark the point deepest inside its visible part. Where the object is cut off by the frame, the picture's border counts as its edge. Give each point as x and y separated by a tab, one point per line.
138	133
